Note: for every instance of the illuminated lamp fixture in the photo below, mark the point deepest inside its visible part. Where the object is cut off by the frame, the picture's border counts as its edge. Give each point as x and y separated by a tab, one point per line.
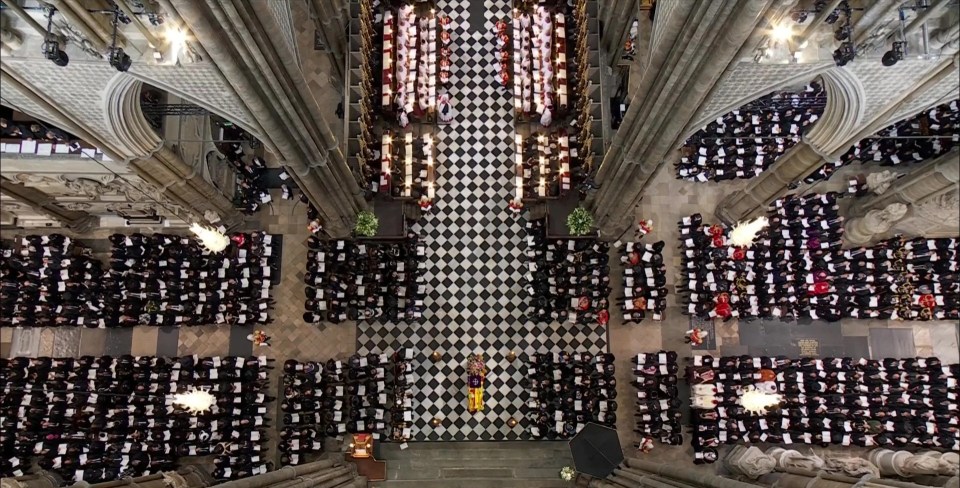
51	46
782	32
757	402
895	54
214	241
744	233
195	401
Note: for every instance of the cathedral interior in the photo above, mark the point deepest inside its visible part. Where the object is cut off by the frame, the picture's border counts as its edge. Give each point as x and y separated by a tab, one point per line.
479	243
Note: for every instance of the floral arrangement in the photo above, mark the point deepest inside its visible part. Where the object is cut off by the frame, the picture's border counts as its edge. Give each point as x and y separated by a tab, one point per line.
566	473
516	206
367	224
580	222
425	203
476	366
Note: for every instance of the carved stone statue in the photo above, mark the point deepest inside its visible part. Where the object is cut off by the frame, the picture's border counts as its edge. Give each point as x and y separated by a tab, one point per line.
879	183
861	230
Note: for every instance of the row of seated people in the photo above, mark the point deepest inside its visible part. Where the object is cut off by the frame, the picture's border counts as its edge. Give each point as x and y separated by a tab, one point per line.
891	403
926	136
370	281
368	394
98	419
48	281
658	400
915	279
251	190
567	280
745	142
172	280
786	273
644	282
33	131
565	391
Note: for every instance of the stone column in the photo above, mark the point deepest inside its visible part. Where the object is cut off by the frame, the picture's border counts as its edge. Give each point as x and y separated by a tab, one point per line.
43	479
926	181
795	164
269	82
862	230
617	19
694	45
75	220
330	18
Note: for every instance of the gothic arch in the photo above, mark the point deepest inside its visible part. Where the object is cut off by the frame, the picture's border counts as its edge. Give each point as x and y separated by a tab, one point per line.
842	116
726	97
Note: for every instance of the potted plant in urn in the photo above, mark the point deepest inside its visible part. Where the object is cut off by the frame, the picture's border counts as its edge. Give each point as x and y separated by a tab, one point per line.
367	224
580	222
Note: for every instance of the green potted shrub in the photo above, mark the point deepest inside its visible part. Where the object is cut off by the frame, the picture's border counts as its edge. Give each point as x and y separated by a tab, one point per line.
580	222
367	224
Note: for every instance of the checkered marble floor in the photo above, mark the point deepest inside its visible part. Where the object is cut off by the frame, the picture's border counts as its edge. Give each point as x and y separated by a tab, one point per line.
475	257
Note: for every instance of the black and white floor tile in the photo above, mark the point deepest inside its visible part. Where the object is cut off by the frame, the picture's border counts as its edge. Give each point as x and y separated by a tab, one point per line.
475	258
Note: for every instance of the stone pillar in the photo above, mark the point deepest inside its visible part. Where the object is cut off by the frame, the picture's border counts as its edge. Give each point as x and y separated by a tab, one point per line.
929	180
75	220
178	181
861	230
694	45
269	82
794	165
618	16
330	19
43	479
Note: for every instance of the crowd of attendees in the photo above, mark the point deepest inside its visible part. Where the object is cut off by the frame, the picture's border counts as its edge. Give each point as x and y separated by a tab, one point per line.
49	281
368	394
914	279
97	419
364	280
926	136
160	279
565	391
658	400
164	279
33	131
251	190
568	280
887	403
644	282
745	142
786	273
797	269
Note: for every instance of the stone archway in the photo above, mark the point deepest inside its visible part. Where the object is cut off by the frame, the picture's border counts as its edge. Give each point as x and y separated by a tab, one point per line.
155	162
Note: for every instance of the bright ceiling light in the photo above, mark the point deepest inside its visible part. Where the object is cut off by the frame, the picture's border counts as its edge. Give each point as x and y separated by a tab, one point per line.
176	40
744	233
214	241
195	401
782	32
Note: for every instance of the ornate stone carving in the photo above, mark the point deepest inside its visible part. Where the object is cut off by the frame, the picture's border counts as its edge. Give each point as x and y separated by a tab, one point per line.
861	230
85	187
942	209
81	206
31	179
878	183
